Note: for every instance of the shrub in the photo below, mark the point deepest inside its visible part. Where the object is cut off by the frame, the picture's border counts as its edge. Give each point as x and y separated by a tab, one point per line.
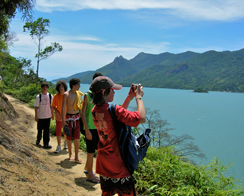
82	142
163	172
27	93
31	103
53	127
1	86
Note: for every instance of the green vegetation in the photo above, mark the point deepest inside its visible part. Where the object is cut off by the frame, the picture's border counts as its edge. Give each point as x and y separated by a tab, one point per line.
212	71
8	11
18	78
200	90
164	173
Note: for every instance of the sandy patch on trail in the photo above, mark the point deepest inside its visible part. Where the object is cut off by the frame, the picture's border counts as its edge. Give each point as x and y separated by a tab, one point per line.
29	170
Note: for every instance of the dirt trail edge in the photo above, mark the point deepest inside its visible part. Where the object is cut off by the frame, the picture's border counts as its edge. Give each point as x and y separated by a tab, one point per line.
39	171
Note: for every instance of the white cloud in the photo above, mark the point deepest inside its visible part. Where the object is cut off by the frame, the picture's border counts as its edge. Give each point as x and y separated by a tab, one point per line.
77	38
78	56
187	9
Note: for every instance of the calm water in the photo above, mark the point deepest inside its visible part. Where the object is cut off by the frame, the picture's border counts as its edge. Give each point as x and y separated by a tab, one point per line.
214	120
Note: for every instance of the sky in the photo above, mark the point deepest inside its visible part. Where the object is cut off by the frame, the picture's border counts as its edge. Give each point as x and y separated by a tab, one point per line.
94	32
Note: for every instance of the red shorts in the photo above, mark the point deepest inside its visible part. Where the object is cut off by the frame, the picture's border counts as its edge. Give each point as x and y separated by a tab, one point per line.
59	128
74	126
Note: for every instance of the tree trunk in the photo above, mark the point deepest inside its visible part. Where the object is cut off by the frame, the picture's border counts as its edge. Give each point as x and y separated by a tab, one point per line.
37	71
38	60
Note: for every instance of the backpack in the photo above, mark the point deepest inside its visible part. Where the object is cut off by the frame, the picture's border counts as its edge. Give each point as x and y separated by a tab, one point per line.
132	149
50	97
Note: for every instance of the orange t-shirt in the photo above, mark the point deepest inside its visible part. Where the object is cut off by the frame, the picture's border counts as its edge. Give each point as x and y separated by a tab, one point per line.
57	102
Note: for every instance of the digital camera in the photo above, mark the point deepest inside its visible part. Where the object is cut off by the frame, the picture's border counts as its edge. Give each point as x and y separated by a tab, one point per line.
134	85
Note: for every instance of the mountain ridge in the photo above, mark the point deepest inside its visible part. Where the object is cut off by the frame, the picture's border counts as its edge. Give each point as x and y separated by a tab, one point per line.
210	70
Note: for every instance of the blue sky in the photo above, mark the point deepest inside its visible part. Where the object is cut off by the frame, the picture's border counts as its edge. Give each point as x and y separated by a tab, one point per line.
94	32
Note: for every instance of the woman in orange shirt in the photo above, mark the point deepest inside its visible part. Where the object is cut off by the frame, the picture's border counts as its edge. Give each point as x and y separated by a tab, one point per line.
61	87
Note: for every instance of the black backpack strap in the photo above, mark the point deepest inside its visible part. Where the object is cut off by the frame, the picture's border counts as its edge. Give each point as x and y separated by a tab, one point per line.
111	108
50	98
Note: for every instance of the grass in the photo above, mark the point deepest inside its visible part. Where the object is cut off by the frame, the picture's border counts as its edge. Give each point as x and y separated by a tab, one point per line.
163	172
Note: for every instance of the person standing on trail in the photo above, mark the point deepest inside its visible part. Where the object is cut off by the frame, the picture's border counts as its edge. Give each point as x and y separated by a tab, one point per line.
72	99
61	87
90	133
43	115
114	176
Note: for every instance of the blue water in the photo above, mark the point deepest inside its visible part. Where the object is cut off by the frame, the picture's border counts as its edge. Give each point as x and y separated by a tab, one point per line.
214	120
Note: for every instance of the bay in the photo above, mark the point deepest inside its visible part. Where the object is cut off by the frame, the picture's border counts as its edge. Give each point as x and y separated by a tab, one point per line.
214	120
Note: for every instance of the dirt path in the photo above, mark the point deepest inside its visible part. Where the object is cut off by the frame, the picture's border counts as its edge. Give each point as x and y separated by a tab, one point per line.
74	173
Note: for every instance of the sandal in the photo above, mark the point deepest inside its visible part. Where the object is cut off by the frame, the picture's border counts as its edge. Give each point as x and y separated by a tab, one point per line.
93	180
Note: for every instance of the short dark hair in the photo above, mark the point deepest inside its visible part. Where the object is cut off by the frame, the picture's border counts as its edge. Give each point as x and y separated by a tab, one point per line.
58	84
96	75
98	97
44	84
73	82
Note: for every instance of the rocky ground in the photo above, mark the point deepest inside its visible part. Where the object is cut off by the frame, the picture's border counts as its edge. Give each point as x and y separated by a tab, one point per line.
26	169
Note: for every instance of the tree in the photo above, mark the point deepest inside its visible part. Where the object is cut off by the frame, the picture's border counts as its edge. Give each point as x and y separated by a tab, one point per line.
8	10
38	31
161	137
17	72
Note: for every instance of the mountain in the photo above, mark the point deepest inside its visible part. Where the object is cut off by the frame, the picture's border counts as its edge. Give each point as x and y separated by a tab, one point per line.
78	75
121	68
211	70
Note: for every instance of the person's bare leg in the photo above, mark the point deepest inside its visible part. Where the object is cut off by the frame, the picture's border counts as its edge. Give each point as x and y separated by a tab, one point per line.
77	145
89	165
70	149
85	168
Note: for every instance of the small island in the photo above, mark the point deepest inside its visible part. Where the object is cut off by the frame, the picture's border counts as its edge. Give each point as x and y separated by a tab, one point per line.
200	90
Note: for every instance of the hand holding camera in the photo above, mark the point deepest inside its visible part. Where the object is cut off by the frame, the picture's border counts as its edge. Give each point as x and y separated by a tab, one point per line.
137	89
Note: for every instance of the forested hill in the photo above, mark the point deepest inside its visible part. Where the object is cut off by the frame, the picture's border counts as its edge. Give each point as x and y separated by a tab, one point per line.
77	75
211	70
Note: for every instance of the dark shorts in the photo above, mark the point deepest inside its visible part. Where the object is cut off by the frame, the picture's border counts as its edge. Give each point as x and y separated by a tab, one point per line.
91	145
125	188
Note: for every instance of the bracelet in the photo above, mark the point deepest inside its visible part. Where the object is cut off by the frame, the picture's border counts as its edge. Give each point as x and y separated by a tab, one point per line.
139	98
